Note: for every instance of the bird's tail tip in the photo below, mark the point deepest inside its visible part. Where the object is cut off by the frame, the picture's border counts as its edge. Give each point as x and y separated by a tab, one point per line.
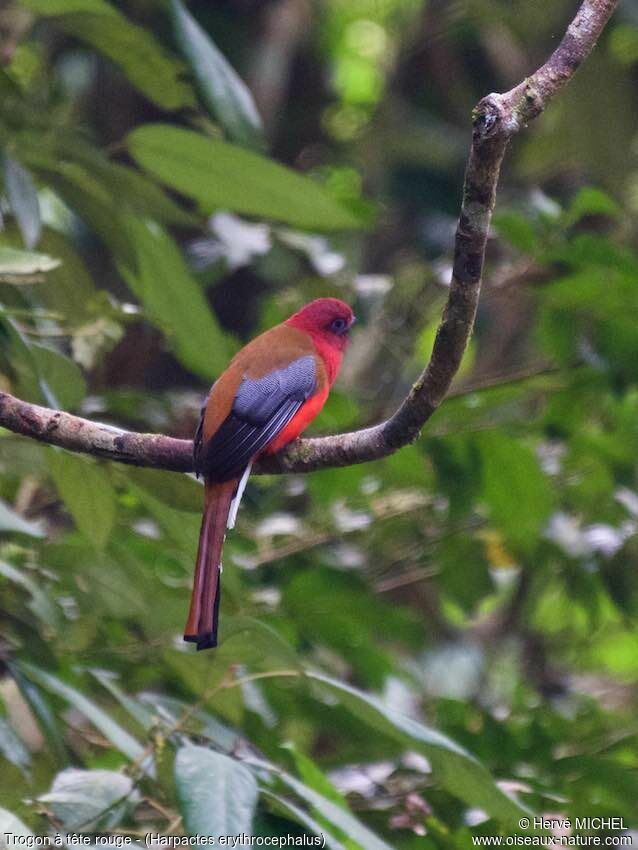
204	641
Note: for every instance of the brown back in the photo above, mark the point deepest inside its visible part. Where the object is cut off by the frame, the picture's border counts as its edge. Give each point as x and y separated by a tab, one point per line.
274	349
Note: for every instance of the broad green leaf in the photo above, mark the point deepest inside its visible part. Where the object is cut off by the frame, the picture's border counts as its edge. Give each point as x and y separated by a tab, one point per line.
40	603
337	609
61	374
144	197
617	653
456	769
223	176
142	59
69	290
515	489
181	492
591	201
138	54
67	7
516	230
9	89
92	202
87	493
22	365
623	43
143	715
16	262
23	199
119	737
217	794
172	710
180	526
12	748
46	719
124	186
222	90
39	373
12	521
304	819
333	812
586	251
90	799
268	639
174	300
313	776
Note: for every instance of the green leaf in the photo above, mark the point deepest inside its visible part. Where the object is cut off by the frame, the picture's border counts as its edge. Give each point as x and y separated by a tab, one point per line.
143	195
515	489
317	780
16	262
71	292
9	90
334	813
591	201
223	176
516	230
222	90
174	300
339	610
119	737
181	492
142	59
22	365
87	493
304	819
12	747
61	375
23	199
90	799
269	640
456	769
47	720
180	526
313	776
140	713
89	198
623	43
66	7
217	795
40	373
39	603
172	710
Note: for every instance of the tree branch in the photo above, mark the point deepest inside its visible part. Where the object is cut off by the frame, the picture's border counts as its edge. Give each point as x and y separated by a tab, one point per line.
496	119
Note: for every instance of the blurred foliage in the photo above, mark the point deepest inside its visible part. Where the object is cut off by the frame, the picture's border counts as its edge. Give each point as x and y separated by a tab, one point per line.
413	651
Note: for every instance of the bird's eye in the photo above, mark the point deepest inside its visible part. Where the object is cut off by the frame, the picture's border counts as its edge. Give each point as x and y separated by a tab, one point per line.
338	326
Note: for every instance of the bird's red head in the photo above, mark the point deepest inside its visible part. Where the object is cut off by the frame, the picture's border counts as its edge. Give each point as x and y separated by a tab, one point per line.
327	320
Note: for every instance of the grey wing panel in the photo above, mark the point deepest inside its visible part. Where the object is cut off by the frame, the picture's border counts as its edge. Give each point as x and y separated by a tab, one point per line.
257	399
262	409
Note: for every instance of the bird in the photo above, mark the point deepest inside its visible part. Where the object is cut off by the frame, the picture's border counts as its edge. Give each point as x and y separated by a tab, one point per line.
269	393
